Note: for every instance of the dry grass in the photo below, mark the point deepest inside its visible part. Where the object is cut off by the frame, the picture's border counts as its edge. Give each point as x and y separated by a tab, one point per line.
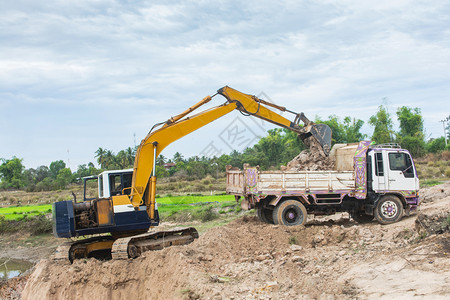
434	167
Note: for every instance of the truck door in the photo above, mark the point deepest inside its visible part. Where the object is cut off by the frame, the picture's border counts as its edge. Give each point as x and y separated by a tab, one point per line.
401	172
377	169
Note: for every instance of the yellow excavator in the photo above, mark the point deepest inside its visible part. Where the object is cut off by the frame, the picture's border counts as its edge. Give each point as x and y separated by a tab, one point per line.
125	208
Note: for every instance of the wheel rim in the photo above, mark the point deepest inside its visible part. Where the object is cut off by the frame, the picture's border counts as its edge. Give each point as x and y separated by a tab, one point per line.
291	215
389	209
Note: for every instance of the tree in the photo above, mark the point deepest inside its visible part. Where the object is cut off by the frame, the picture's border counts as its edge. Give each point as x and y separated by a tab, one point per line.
348	131
11	173
411	121
382	122
41	173
161	160
411	134
123	159
130	154
63	178
352	130
110	161
336	128
177	157
55	167
436	145
100	155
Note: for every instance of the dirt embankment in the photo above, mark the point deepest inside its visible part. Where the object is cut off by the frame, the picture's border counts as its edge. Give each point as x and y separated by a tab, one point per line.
247	259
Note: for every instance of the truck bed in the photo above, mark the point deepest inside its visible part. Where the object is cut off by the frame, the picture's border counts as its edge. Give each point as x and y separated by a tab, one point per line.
252	181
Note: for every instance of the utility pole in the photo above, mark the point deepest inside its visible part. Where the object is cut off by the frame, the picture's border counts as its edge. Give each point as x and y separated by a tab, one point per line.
444	124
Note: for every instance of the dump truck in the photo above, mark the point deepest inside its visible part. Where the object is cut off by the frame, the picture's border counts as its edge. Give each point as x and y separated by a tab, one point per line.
368	181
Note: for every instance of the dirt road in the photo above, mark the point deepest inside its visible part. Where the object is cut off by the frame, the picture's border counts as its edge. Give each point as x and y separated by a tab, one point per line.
247	259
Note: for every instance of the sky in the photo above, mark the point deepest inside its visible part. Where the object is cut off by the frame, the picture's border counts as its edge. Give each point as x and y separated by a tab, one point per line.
79	75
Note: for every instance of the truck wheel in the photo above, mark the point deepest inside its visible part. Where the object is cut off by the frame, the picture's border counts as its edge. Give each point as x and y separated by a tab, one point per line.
289	213
389	210
361	217
264	214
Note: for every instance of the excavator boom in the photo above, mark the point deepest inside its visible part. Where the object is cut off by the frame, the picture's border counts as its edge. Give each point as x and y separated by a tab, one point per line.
181	125
128	224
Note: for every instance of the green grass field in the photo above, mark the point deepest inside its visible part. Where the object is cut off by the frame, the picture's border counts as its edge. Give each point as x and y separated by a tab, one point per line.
167	206
18	212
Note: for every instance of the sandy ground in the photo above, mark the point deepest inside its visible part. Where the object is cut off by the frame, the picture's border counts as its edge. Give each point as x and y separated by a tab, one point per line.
247	259
329	258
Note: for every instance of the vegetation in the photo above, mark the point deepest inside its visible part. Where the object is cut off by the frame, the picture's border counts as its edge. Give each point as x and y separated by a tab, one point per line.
19	212
277	148
382	123
34	218
35	225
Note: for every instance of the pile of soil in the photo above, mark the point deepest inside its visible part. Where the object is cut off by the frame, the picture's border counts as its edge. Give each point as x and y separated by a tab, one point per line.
433	224
435	193
12	288
331	257
247	259
312	159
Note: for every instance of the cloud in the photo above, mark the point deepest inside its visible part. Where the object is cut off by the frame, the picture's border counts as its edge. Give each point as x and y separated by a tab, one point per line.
119	67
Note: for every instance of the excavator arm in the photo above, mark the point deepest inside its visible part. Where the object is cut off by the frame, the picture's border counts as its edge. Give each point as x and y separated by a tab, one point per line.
144	178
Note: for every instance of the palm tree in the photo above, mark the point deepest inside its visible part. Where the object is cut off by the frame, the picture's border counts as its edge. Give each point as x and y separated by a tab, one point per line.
110	160
130	154
161	160
177	157
122	159
100	155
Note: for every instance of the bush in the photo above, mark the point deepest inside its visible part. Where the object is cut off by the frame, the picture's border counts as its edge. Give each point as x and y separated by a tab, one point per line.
35	225
206	214
447	172
207	180
446	154
436	145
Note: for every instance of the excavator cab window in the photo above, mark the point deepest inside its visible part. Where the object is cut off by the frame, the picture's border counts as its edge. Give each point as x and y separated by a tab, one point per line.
117	182
89	190
126	182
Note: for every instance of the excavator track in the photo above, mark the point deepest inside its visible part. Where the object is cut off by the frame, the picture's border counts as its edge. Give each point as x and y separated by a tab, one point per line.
107	247
62	252
98	247
134	246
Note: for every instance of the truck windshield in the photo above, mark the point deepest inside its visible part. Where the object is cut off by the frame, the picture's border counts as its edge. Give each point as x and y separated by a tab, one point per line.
401	162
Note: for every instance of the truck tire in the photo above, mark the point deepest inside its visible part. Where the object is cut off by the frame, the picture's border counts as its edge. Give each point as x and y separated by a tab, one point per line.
361	217
389	210
264	214
290	213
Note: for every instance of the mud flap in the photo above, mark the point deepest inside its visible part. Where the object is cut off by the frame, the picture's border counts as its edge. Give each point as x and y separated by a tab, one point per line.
245	204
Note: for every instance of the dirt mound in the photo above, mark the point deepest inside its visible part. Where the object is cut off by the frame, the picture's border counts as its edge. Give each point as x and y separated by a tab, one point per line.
247	259
313	159
435	193
12	288
433	224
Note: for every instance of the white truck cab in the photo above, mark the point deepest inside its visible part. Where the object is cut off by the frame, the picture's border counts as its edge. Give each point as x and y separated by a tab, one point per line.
391	169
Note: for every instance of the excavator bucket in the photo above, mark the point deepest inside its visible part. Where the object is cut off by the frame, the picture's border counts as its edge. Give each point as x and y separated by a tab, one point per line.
322	133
